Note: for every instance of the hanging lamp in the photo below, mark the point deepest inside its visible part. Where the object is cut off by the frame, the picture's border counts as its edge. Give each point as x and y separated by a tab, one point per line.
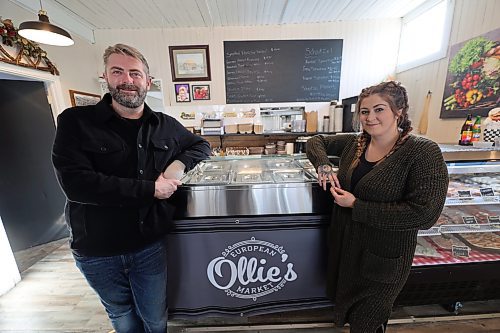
43	32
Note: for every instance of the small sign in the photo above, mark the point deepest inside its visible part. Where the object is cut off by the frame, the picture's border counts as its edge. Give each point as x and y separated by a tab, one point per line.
186	115
487	192
464	194
490	199
460	251
471	221
494	219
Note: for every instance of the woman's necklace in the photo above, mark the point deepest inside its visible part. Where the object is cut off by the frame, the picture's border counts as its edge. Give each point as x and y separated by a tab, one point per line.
377	154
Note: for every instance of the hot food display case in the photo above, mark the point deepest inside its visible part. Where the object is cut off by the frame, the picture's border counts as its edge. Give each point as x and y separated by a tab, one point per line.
250	237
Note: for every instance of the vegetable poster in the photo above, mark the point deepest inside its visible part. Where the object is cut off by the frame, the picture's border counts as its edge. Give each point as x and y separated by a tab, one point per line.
473	79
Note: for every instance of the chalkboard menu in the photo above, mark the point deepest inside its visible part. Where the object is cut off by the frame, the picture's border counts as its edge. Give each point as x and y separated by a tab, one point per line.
269	71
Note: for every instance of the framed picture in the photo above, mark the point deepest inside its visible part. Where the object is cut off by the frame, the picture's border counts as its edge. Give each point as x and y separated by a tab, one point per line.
473	79
182	92
190	63
80	98
201	92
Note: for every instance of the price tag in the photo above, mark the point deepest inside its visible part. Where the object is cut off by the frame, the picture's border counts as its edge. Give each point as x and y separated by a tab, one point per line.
487	192
471	221
494	219
464	194
460	251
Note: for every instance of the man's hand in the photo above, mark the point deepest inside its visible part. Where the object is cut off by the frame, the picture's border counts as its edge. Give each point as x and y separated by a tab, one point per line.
165	187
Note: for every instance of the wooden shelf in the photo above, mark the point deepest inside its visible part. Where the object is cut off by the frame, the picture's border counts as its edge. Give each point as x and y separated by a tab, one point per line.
254	140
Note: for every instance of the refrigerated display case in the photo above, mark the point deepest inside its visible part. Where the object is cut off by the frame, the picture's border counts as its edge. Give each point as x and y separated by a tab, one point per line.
458	259
250	237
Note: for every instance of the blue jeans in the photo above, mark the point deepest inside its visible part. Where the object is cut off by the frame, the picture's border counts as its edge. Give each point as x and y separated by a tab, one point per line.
132	288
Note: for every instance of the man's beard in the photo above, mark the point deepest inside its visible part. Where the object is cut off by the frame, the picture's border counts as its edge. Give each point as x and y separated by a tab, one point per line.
128	100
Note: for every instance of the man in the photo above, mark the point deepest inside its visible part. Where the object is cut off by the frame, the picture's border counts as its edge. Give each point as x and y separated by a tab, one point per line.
118	163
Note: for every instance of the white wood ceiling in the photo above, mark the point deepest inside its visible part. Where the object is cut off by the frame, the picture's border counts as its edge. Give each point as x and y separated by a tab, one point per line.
145	14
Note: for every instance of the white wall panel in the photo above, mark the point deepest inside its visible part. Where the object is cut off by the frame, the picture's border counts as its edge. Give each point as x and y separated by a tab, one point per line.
369	52
471	19
369	55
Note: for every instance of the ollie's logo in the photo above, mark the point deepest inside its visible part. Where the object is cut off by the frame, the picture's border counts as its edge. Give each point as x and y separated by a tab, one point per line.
251	269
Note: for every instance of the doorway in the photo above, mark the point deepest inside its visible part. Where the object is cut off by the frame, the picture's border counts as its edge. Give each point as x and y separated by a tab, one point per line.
31	202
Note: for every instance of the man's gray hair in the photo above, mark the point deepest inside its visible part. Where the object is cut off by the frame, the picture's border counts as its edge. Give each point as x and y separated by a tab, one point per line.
128	51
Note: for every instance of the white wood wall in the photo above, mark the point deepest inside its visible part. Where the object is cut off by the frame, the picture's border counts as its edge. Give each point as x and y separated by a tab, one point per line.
471	19
369	56
369	52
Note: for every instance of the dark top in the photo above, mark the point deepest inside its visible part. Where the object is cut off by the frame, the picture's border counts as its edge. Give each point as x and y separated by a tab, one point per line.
128	130
361	170
107	166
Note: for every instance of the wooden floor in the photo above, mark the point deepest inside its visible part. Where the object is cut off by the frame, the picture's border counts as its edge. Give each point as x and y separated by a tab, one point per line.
53	297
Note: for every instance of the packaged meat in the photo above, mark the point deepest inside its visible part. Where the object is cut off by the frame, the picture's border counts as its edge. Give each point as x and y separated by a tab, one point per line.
425	249
446	241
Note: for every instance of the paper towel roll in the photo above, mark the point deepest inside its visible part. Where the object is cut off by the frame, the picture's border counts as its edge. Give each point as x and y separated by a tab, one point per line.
338	115
331	114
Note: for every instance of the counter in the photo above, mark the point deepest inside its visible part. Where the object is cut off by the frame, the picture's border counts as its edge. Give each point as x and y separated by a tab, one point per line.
250	237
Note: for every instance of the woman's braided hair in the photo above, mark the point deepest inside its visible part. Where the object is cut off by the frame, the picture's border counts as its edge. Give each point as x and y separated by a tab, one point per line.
396	96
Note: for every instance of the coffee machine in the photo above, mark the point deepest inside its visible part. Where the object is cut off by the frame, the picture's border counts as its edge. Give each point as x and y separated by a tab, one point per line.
280	119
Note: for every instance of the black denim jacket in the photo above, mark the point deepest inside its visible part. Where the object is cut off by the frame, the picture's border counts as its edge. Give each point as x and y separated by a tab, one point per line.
109	212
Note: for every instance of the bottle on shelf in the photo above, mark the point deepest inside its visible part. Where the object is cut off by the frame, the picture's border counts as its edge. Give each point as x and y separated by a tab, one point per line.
331	116
326	123
476	130
339	114
466	132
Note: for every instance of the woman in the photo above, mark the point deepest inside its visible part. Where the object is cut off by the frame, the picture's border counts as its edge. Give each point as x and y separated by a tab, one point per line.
389	185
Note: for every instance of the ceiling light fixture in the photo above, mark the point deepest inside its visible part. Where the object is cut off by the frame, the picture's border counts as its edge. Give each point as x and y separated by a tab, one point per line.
42	31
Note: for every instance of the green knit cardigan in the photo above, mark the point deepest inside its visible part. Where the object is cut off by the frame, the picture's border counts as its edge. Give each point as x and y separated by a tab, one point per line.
371	246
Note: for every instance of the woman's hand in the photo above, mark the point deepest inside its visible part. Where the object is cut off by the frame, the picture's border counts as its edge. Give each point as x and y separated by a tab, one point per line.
325	175
342	197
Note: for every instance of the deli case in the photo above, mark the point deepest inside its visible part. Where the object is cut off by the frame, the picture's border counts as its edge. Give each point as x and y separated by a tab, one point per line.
458	259
250	237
